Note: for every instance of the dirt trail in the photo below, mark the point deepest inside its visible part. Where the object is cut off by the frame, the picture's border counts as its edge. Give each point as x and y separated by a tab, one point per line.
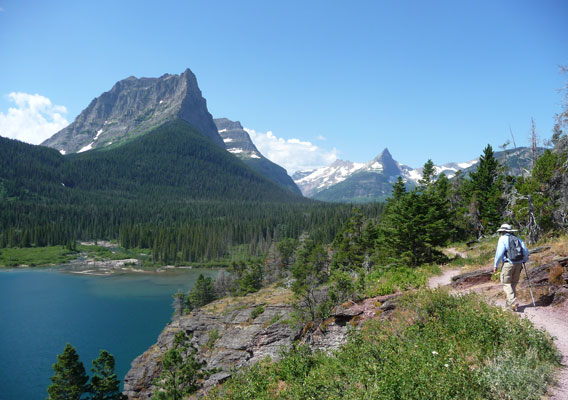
554	320
445	279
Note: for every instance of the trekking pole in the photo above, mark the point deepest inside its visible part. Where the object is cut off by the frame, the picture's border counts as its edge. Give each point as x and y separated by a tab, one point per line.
529	281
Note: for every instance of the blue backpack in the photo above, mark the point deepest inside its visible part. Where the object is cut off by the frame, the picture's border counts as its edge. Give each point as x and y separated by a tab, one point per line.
515	252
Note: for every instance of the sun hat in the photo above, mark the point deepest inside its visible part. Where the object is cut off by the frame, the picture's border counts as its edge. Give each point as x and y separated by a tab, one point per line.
506	228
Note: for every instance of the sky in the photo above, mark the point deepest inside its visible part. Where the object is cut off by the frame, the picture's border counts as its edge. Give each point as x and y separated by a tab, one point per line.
312	81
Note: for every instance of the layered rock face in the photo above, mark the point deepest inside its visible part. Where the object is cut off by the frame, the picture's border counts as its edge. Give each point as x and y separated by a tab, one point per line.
133	106
242	338
239	143
232	333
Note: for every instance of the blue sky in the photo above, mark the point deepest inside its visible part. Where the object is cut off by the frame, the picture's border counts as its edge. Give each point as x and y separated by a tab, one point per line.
427	79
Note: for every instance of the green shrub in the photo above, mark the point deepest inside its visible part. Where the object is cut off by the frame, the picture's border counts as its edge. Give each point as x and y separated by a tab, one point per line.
517	378
257	311
437	346
213	336
35	256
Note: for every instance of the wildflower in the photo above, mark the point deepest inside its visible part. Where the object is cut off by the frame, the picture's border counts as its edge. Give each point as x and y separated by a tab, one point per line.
446	365
435	352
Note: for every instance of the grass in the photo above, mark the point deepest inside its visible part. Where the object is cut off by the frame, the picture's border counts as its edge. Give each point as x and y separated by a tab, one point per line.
35	256
268	296
480	255
99	253
54	255
436	346
390	280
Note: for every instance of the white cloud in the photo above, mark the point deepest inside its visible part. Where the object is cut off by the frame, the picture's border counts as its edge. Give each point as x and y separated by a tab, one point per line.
292	154
321	137
34	118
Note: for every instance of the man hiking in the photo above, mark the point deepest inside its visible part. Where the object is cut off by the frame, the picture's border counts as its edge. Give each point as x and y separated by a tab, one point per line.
512	253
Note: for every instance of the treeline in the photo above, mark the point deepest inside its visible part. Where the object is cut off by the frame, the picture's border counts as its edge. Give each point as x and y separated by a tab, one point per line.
190	232
170	191
376	256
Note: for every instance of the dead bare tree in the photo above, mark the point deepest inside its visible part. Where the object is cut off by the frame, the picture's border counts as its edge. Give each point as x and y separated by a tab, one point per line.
517	153
534	140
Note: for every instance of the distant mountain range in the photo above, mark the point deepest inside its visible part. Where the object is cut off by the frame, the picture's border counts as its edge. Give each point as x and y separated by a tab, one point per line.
135	107
346	181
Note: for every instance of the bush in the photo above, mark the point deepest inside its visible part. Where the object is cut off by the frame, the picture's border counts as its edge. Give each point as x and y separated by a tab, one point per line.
437	346
257	311
511	377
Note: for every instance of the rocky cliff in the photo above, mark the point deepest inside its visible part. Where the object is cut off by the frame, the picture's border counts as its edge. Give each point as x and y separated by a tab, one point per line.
228	334
133	106
235	332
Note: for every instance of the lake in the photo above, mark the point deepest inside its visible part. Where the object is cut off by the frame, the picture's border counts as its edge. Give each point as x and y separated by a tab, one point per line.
43	309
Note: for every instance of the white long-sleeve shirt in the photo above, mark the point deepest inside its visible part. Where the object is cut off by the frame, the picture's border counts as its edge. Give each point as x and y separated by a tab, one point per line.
501	252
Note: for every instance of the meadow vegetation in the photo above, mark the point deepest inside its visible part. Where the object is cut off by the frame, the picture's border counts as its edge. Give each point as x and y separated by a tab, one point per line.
436	346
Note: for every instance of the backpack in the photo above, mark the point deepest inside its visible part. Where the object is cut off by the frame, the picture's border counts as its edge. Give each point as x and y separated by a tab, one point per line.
515	252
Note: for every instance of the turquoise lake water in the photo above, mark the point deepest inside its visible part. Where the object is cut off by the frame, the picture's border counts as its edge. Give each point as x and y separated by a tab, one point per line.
43	309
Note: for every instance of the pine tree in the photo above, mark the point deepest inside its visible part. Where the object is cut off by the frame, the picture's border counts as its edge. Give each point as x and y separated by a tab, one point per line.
398	189
104	383
486	192
180	371
69	380
309	272
203	292
428	173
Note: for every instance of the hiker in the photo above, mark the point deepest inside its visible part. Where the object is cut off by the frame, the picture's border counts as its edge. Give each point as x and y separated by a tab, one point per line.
512	260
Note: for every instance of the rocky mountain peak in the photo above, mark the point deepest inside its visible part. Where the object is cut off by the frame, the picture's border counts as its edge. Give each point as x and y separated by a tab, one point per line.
238	142
384	163
226	124
133	106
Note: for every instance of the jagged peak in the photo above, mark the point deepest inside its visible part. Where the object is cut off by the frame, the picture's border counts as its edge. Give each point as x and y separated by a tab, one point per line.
340	163
384	155
226	123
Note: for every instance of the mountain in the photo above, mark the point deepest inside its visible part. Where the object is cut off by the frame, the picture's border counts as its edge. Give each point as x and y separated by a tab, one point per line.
313	182
345	181
371	182
170	162
134	106
238	142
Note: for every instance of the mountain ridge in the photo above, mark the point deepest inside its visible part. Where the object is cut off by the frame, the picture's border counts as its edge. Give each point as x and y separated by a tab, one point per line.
239	143
346	181
133	106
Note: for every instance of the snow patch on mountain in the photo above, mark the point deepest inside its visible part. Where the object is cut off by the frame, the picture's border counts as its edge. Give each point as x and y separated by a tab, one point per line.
315	181
87	147
468	164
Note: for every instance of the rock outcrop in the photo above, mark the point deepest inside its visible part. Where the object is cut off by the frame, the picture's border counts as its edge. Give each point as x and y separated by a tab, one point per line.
228	333
235	332
133	106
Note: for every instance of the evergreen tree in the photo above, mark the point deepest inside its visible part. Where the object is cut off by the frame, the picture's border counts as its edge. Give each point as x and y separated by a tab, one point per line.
485	195
180	371
399	189
202	293
250	280
104	383
414	224
309	272
428	173
351	251
69	380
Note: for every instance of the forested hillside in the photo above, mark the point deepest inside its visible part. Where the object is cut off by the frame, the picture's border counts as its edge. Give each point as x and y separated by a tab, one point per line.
170	190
